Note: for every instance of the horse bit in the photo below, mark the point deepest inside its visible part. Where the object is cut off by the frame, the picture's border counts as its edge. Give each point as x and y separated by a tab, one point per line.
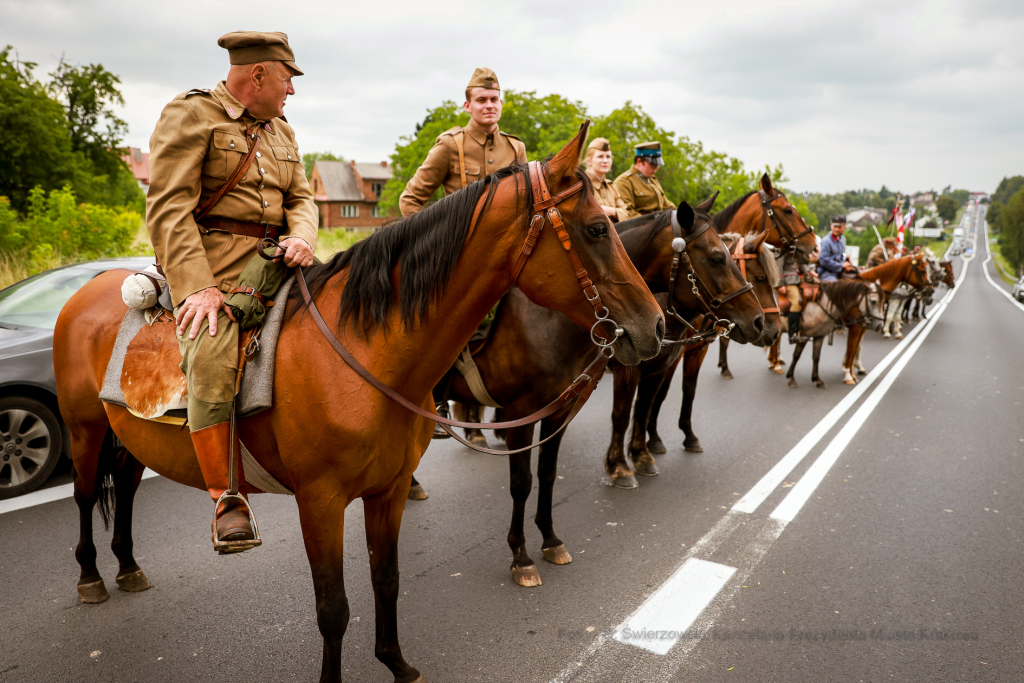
713	325
785	234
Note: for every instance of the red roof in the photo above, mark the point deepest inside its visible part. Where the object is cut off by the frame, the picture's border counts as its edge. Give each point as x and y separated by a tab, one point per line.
138	162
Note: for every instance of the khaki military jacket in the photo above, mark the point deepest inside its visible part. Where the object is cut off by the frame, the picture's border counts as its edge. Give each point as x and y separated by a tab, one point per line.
607	195
485	153
196	146
640	194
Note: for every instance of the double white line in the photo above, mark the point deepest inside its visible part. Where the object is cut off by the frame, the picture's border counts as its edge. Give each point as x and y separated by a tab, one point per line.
685	607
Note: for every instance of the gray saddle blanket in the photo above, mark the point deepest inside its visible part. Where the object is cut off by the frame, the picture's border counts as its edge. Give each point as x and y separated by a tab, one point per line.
257	388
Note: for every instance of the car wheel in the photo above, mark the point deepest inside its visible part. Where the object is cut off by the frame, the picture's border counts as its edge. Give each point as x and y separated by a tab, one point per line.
30	445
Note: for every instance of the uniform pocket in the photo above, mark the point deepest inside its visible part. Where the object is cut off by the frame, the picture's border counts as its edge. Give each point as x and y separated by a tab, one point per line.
287	162
226	150
473	171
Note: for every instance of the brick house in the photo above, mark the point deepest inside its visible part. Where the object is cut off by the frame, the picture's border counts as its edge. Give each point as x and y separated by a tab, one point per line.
138	162
347	192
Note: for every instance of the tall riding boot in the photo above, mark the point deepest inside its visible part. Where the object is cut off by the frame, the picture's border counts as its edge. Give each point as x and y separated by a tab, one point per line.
794	326
232	517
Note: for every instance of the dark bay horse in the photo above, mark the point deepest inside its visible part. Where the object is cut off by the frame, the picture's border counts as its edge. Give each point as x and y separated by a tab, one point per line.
404	301
762	209
533	352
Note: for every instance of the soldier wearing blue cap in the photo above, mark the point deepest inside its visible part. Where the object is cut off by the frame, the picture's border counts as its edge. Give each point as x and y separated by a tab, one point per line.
639	189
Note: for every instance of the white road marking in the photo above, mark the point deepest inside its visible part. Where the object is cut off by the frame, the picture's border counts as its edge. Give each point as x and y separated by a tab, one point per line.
48	495
667	615
984	266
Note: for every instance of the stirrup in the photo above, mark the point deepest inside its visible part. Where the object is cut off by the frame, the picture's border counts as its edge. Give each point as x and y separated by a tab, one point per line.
227	547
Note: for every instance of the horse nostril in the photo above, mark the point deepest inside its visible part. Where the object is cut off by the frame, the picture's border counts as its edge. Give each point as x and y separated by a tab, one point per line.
759	323
659	329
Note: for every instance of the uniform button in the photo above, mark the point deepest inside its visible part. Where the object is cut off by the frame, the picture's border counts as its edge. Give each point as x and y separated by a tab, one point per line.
259	155
289	156
266	204
261	170
261	187
490	161
231	145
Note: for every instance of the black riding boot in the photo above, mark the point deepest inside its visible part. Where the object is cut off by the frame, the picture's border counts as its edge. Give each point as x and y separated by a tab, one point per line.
441	403
794	326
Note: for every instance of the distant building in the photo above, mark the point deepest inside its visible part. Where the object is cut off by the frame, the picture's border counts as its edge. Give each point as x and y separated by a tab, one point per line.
347	193
923	199
138	162
860	219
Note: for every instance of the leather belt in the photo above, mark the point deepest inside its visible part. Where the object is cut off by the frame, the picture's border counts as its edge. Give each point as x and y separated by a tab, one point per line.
220	224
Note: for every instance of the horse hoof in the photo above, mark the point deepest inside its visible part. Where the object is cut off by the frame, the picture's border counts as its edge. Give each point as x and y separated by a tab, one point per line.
821	385
656	446
478	439
93	593
793	384
899	336
133	582
527	577
625	481
557	555
417	493
693	447
726	374
847	381
861	373
646	469
778	369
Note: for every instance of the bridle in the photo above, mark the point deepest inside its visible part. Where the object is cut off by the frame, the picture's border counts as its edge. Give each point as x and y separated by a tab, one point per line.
543	210
712	325
741	256
785	234
866	315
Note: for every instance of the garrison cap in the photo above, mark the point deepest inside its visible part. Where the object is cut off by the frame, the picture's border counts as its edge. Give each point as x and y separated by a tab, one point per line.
839	219
600	144
250	47
483	78
651	151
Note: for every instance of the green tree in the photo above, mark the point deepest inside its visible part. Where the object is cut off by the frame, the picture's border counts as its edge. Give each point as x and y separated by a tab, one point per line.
35	146
311	158
544	124
958	195
1011	238
1007	188
947	207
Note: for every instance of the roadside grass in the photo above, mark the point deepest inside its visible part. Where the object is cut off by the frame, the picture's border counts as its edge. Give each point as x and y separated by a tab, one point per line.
1003	269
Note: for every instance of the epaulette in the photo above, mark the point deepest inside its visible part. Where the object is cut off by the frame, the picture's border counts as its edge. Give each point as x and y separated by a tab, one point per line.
194	91
451	131
509	135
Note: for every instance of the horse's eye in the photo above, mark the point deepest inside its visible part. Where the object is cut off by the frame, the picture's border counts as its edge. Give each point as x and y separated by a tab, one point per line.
787	210
598	229
717	260
761	278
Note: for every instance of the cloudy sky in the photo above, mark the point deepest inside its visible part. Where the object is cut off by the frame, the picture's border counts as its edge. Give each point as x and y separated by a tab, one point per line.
846	94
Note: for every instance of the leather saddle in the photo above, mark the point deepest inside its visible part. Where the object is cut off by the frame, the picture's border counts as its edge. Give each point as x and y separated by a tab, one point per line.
809	291
152	382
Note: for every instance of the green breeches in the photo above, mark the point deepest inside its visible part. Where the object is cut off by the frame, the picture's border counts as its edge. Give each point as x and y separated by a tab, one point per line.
210	363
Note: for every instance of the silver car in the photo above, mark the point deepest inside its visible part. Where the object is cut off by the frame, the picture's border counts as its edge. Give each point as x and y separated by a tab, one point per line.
32	434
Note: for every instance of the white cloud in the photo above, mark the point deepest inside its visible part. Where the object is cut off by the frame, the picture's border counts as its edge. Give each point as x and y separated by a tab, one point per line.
915	95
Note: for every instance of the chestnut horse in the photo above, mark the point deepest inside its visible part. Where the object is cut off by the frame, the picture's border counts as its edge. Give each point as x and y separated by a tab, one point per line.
763	209
533	352
405	302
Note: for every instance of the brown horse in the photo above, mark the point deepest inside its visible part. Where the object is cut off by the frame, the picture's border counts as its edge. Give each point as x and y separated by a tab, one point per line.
404	301
746	216
534	352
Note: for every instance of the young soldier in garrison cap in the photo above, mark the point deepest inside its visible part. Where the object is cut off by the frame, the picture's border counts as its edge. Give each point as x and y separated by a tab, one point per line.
463	155
598	162
639	189
205	239
460	156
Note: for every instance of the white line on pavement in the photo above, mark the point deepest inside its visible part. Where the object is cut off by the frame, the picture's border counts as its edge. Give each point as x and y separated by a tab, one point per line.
800	493
984	266
49	495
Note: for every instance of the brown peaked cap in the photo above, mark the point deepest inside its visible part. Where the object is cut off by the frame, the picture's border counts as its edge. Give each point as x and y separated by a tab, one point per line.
250	47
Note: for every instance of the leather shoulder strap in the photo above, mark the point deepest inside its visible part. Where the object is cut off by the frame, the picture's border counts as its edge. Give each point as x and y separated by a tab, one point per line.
253	138
460	142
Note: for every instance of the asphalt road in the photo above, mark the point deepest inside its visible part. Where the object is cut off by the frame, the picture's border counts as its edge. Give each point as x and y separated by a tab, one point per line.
902	564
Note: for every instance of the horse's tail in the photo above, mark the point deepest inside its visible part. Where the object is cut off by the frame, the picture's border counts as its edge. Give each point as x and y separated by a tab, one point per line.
111	459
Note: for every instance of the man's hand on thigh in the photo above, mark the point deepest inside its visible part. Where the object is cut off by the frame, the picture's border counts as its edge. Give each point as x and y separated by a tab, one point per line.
204	304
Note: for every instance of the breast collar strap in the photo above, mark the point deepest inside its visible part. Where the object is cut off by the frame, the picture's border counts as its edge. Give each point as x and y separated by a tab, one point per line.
712	325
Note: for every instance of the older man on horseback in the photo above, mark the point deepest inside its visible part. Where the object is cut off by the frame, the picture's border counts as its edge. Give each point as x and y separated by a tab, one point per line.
215	192
832	260
462	155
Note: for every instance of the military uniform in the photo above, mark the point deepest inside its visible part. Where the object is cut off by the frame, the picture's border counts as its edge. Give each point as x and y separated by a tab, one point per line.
482	154
605	191
201	137
643	195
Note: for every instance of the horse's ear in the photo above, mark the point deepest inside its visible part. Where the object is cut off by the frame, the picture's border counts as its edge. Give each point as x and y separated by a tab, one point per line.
766	185
685	216
568	159
754	245
706	205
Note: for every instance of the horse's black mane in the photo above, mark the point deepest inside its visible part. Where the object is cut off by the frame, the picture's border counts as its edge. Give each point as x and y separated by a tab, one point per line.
723	218
426	246
636	233
845	294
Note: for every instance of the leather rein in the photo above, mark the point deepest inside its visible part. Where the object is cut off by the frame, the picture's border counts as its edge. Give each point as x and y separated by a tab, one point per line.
544	211
712	326
785	234
741	257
